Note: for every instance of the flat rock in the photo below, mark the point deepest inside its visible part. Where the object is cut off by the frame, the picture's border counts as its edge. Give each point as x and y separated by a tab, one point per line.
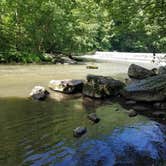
92	67
38	93
149	89
66	86
139	72
79	131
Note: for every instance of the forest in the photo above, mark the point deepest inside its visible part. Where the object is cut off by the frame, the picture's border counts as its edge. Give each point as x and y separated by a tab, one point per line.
31	28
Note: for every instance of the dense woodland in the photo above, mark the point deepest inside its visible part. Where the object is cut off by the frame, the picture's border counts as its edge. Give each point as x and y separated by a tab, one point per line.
31	28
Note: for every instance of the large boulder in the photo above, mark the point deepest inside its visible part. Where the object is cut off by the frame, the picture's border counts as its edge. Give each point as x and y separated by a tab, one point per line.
66	86
149	89
139	72
39	93
162	70
100	86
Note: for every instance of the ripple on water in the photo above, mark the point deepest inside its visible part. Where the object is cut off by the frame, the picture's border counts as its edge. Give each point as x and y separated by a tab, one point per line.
140	144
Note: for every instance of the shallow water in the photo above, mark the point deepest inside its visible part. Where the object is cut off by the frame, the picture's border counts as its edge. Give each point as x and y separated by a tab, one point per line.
40	133
18	80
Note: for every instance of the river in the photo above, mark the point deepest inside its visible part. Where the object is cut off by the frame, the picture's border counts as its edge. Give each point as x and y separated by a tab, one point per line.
40	133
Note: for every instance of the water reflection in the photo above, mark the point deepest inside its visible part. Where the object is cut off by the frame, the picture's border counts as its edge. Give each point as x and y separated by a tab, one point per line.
141	144
40	133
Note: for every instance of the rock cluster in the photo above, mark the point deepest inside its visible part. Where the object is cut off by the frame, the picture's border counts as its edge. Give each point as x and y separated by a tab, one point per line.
147	86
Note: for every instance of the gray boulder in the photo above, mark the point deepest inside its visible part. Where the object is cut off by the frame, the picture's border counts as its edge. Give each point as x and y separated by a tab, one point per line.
149	89
162	70
101	87
39	93
139	72
66	86
79	131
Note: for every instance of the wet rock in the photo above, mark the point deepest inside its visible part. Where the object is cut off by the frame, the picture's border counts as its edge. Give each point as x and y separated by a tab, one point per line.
159	114
93	117
132	113
155	71
160	106
92	67
79	131
130	102
162	70
116	109
101	87
66	86
139	72
149	89
140	108
39	93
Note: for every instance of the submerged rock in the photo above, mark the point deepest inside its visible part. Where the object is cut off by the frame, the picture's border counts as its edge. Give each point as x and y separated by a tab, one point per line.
39	93
149	89
132	113
79	131
160	106
130	102
162	70
140	107
159	114
66	86
93	117
100	86
139	72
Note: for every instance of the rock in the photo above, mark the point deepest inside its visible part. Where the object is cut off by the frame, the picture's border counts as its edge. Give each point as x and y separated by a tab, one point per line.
159	114
149	89
93	117
155	71
116	109
39	93
139	72
92	67
140	108
101	87
67	60
132	113
160	106
66	86
130	102
79	131
162	70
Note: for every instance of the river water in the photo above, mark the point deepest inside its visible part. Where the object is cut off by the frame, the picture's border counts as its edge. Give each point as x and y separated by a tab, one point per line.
40	133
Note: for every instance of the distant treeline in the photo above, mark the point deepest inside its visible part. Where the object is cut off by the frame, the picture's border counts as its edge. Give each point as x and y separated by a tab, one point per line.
30	28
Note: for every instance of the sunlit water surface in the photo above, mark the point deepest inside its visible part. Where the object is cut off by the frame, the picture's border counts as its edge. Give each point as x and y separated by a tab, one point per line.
40	133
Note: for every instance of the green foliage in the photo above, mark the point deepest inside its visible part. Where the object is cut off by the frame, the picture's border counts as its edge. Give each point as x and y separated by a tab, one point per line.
30	28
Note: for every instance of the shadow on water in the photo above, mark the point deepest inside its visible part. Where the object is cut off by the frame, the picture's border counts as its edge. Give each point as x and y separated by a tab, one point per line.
40	133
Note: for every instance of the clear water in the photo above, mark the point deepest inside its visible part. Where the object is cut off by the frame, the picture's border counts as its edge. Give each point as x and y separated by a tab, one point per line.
40	133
